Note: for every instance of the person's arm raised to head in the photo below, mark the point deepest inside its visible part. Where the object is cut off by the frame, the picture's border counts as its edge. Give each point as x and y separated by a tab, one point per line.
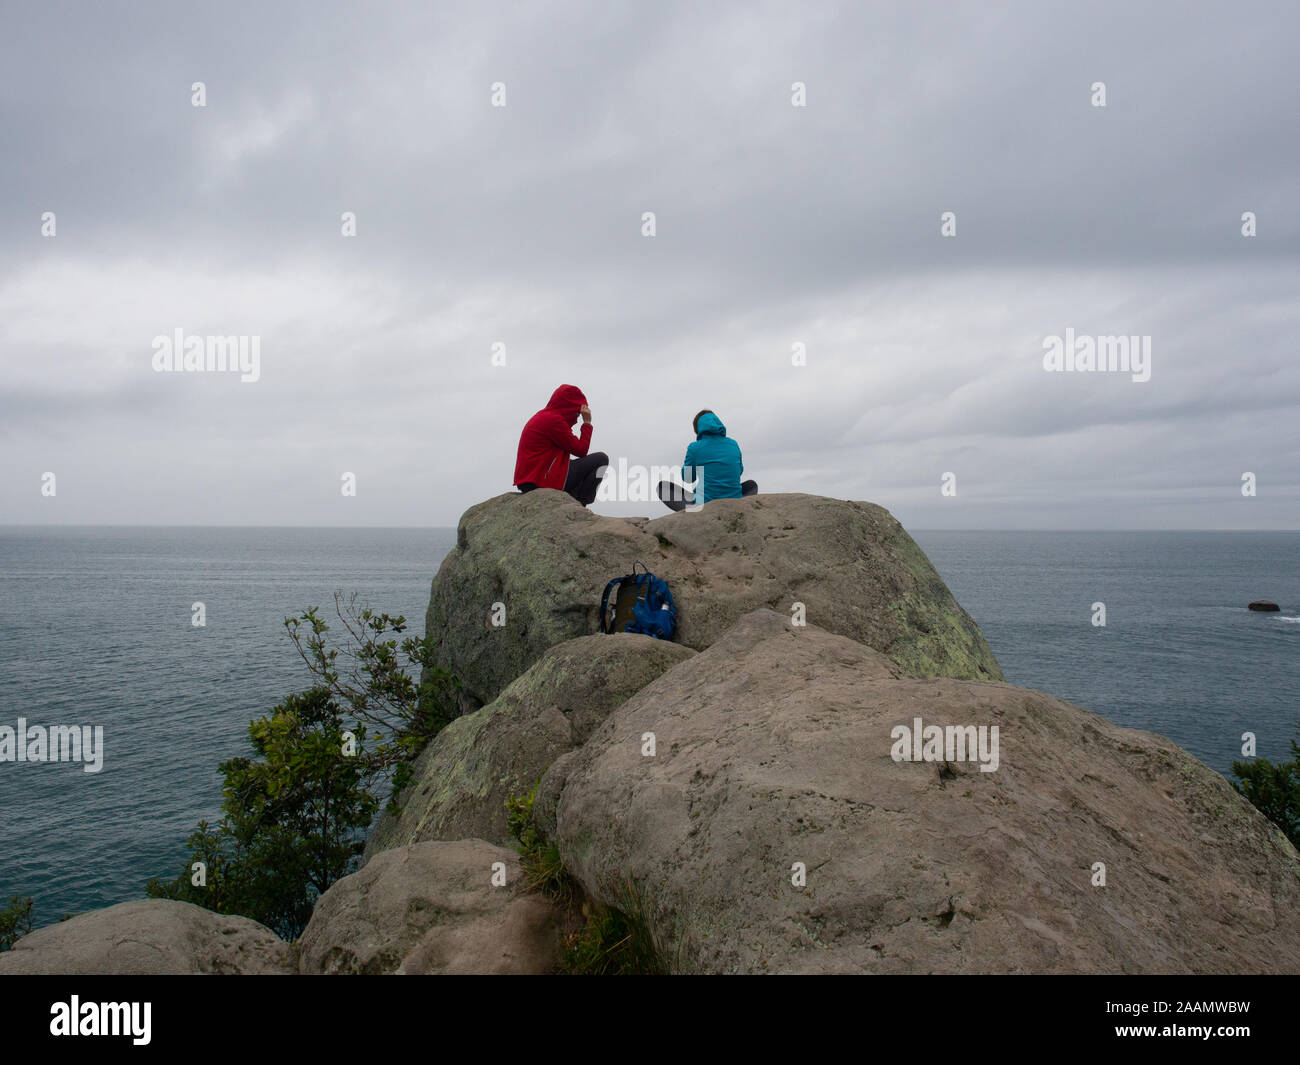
561	436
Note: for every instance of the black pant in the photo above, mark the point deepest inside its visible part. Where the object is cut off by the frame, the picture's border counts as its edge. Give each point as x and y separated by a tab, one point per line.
678	497
583	479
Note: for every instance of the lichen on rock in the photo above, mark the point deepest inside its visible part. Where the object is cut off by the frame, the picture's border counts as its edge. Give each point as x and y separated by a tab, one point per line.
546	559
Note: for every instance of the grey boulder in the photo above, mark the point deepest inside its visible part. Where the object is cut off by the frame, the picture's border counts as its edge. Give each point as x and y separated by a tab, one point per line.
433	908
149	936
780	751
850	567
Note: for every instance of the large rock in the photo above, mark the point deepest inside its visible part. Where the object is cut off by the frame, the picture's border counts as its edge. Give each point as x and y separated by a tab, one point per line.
149	936
547	559
432	908
465	774
774	747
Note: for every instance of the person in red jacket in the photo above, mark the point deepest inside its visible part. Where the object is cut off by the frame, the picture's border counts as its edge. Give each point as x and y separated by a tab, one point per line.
547	442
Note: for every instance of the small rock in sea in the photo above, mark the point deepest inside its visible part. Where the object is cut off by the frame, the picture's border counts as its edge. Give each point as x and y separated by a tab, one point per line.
1263	604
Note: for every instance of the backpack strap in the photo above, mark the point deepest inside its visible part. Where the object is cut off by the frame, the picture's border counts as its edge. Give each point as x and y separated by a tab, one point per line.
604	603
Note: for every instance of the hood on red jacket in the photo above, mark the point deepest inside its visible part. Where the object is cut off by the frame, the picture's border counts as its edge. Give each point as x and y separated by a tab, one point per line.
548	440
567	400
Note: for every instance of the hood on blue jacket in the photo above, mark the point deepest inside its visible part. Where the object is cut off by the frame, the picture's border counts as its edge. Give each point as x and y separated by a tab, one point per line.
709	425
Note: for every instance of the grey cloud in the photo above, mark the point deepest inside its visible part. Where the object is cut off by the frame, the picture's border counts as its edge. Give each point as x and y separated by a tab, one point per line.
775	224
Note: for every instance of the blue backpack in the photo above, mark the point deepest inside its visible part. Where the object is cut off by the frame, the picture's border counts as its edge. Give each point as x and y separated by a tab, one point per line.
643	604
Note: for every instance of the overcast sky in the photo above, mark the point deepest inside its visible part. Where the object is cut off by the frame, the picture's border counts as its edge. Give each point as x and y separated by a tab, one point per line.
775	225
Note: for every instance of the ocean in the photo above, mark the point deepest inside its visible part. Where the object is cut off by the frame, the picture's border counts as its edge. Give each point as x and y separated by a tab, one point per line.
95	629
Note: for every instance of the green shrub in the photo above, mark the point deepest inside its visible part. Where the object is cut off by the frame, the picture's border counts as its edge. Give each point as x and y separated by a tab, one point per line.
397	691
1274	789
15	921
294	815
290	823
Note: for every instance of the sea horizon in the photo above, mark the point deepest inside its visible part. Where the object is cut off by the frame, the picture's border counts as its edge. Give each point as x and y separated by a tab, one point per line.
919	528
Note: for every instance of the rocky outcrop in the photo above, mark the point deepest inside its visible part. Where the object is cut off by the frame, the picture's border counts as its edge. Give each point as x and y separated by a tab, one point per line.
433	908
750	796
464	776
1263	605
155	936
851	565
774	747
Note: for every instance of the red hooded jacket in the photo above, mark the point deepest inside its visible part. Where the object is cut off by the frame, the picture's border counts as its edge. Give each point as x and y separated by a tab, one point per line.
547	440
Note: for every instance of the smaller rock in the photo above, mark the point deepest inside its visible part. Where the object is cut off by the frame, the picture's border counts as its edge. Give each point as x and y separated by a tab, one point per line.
1264	605
432	908
157	937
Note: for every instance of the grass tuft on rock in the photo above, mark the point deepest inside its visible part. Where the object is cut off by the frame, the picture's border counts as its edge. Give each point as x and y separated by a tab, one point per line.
541	860
610	942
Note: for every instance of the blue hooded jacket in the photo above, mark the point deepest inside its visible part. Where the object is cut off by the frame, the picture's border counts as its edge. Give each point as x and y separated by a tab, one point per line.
716	461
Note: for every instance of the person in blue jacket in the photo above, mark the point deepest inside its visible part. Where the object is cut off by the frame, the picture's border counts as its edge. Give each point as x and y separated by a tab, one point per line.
712	464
